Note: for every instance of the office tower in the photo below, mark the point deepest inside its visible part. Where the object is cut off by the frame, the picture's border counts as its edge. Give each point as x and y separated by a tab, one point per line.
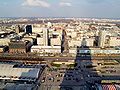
17	29
49	24
28	29
45	36
102	38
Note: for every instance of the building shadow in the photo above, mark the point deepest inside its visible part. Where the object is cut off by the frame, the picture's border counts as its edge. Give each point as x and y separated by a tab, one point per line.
83	75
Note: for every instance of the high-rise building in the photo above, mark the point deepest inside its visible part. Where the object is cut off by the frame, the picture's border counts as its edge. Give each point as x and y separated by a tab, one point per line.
102	38
17	29
28	29
45	36
49	24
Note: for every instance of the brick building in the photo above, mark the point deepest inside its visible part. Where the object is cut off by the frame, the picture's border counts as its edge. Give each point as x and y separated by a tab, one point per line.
19	46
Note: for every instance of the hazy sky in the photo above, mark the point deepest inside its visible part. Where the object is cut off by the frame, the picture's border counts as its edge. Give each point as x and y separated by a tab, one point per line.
60	8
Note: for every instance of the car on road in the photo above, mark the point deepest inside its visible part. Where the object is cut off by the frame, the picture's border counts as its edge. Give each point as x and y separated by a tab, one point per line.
43	80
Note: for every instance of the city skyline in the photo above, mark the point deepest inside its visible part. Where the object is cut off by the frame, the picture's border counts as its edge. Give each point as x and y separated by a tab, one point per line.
60	8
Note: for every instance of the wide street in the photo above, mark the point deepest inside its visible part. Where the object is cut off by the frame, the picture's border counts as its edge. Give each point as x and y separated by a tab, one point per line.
64	77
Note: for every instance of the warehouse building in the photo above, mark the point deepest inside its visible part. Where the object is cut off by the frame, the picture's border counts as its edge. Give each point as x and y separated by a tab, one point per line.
10	72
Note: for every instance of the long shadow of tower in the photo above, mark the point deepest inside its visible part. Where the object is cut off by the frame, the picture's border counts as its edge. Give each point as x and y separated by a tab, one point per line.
83	75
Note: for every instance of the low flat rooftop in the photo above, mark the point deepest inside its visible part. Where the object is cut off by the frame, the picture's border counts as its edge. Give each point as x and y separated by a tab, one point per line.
8	71
13	86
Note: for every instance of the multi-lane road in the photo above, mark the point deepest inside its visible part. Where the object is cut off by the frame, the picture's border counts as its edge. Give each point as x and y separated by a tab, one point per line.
31	57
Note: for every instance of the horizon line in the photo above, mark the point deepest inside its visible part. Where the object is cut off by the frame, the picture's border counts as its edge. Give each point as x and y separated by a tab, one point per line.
56	17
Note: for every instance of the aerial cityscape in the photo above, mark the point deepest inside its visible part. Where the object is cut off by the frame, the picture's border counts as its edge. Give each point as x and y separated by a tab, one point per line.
59	54
59	45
